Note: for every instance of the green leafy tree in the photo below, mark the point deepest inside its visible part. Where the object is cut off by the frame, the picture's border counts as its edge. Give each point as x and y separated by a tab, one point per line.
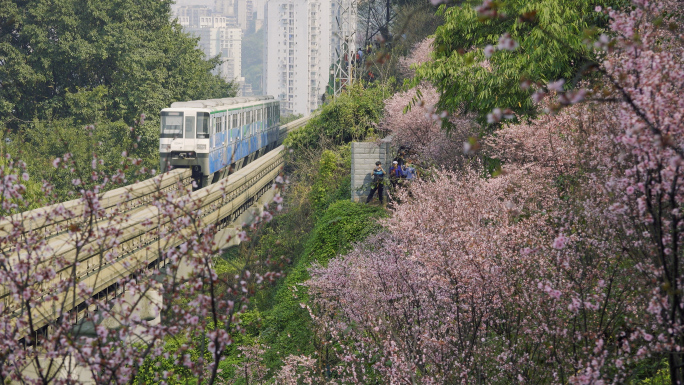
550	34
40	143
117	57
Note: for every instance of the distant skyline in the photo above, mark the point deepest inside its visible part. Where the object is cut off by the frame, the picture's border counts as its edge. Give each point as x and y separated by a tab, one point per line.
180	3
258	5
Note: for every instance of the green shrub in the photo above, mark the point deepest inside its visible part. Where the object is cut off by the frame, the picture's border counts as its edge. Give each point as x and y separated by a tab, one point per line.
39	143
326	174
351	116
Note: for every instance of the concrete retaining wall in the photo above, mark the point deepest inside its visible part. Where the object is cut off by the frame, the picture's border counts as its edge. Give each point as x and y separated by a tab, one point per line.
364	156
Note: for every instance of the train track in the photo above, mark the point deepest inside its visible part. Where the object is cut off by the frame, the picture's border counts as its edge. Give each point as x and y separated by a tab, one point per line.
137	226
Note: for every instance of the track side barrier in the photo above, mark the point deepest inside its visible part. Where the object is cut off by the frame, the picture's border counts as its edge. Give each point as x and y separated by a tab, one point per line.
56	219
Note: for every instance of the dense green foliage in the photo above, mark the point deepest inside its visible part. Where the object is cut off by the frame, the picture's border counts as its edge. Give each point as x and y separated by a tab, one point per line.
88	59
551	47
351	116
320	191
290	118
40	143
33	196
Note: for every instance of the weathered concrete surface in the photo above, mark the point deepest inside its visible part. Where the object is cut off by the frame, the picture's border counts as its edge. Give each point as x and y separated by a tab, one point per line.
364	156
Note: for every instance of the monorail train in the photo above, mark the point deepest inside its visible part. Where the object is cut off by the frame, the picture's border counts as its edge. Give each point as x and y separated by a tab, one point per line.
211	135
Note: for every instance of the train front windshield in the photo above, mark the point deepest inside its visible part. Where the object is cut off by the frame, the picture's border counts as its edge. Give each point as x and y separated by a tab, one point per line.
171	124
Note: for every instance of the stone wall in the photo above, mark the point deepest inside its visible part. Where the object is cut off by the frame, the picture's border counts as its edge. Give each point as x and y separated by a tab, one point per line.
364	156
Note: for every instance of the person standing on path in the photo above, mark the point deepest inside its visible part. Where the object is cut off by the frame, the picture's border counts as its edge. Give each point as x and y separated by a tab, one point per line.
378	176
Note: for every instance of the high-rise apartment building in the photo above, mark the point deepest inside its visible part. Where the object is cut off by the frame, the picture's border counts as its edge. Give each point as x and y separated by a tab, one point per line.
224	7
299	52
190	15
216	37
244	13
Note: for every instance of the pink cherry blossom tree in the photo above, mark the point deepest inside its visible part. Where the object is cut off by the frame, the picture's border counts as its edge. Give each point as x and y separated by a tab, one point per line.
421	127
411	119
563	269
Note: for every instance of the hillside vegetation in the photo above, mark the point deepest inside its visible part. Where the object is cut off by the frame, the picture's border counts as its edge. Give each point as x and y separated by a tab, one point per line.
540	242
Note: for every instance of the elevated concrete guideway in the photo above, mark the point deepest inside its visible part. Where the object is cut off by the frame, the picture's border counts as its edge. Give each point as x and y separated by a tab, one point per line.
222	204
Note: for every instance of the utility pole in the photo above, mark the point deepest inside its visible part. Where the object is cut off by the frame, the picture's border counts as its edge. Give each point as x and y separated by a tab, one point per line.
387	17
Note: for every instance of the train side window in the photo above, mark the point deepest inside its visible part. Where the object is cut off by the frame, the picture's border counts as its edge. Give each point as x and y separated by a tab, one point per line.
202	125
250	120
189	127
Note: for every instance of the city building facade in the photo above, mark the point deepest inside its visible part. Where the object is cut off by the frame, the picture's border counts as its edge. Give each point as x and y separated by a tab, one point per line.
297	55
218	34
304	41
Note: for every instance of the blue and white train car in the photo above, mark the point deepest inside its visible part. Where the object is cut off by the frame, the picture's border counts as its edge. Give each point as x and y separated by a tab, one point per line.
211	135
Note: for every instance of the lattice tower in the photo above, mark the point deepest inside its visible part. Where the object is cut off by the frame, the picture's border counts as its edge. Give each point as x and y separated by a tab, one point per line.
344	54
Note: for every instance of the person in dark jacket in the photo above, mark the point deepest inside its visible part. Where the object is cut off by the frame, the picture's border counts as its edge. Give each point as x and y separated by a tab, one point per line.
395	173
378	176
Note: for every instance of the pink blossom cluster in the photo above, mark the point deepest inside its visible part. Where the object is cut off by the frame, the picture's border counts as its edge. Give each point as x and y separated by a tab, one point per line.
489	9
420	53
421	127
506	42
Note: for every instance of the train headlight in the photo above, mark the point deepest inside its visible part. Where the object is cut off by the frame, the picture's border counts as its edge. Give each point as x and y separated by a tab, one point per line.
201	146
165	148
